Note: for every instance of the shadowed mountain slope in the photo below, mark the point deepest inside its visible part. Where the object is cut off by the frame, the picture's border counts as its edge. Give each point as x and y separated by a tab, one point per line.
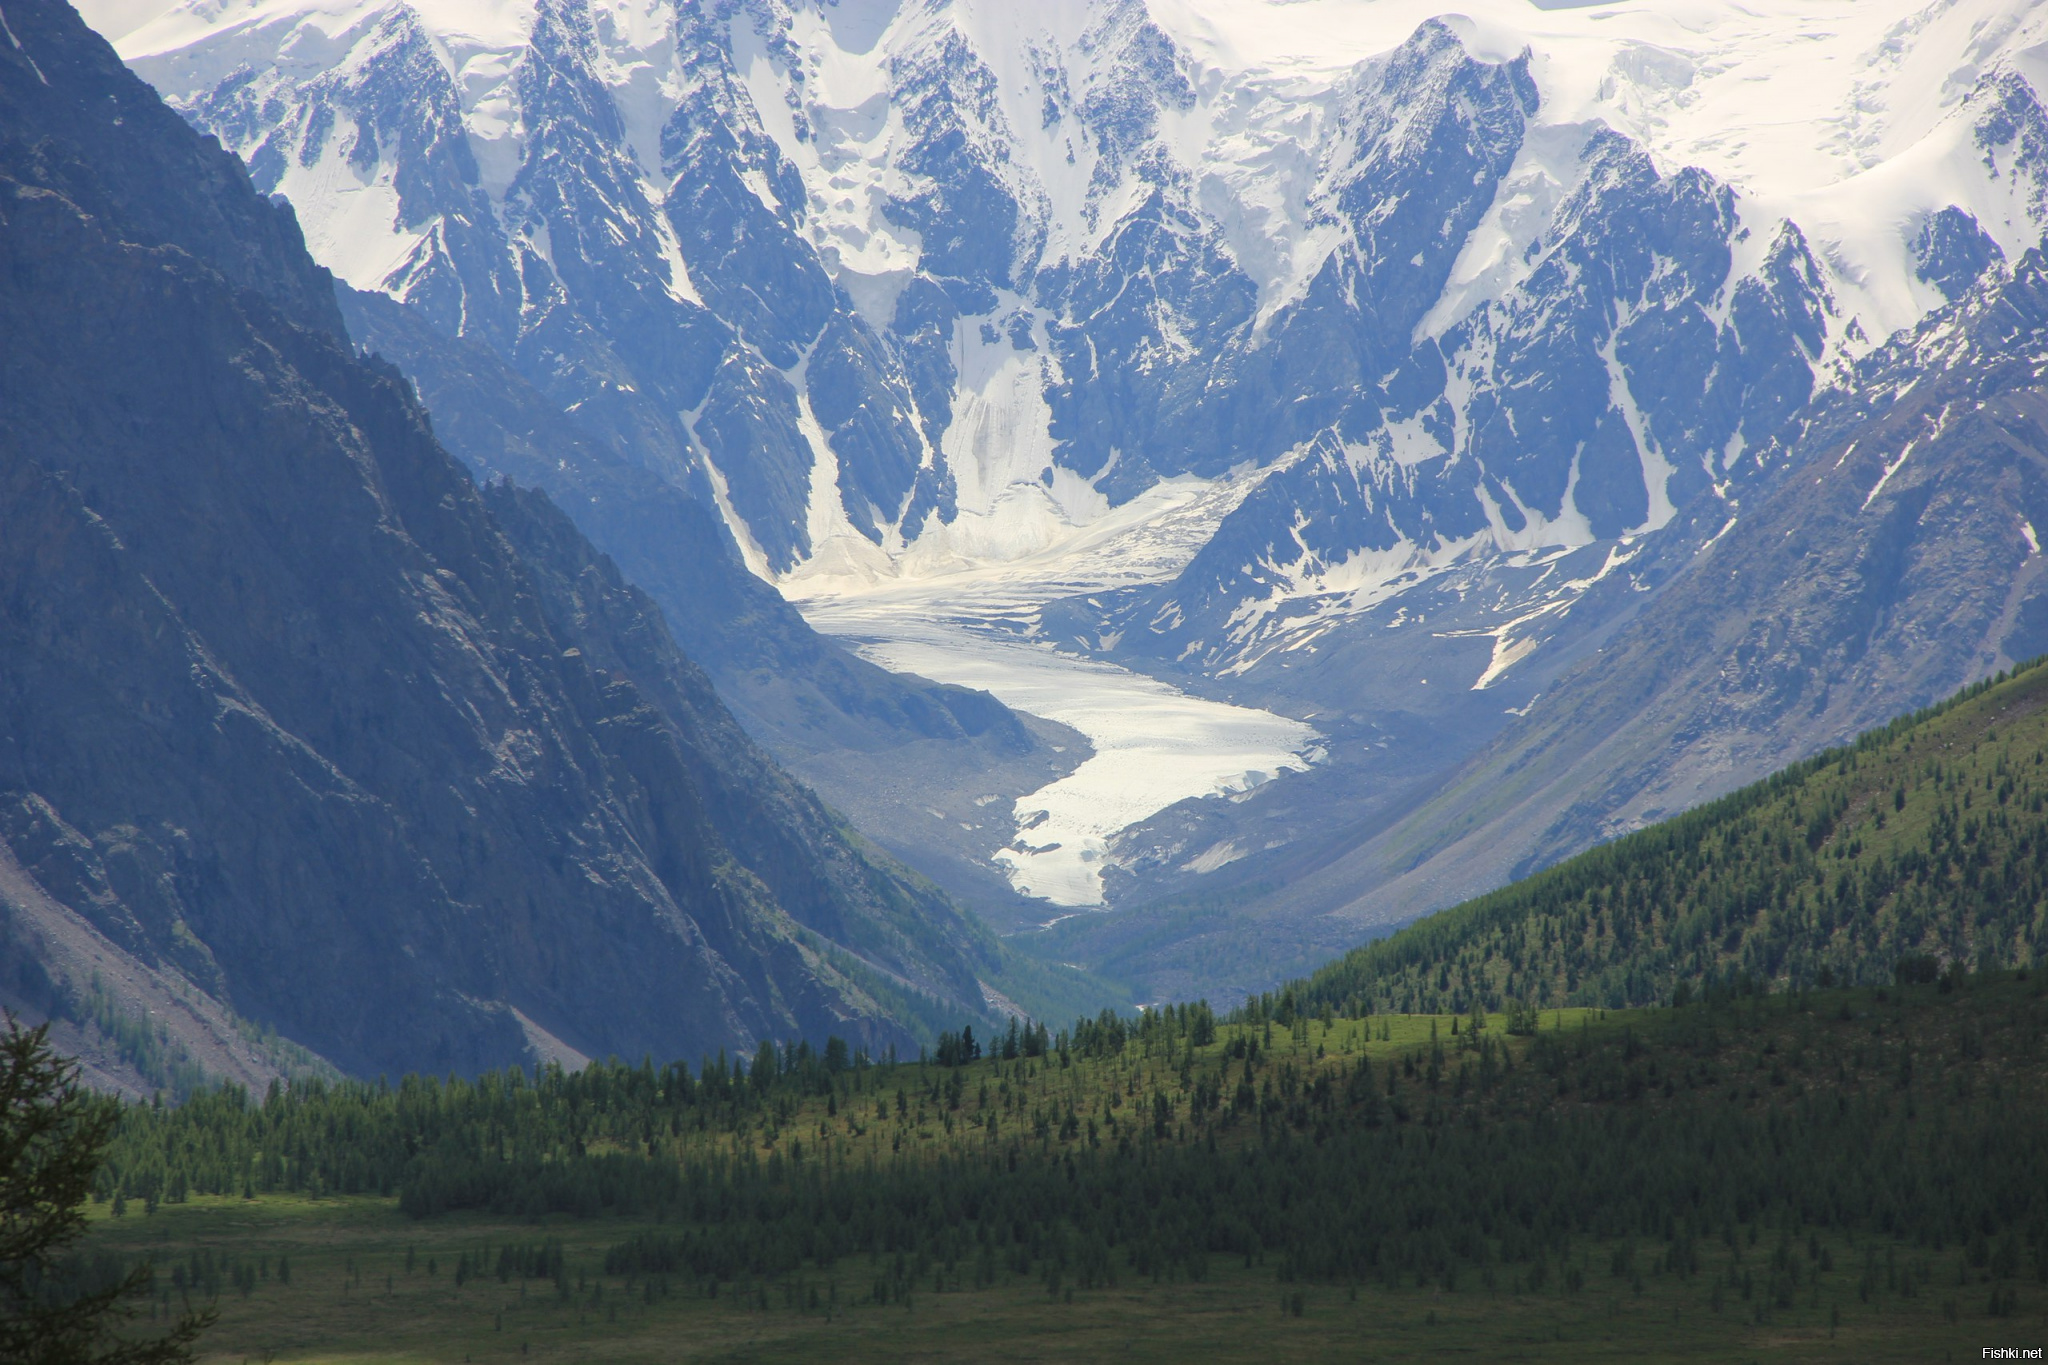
288	728
914	763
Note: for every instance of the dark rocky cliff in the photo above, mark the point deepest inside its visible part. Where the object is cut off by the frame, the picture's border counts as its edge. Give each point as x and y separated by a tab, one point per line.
286	722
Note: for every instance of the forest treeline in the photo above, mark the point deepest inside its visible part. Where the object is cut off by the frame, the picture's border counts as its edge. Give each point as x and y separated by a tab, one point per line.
1927	837
1331	1149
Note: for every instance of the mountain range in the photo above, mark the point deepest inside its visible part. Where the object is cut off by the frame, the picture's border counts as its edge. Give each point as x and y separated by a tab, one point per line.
314	751
1592	407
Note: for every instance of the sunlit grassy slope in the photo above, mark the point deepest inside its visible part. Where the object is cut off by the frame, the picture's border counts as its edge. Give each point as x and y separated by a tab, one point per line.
1927	837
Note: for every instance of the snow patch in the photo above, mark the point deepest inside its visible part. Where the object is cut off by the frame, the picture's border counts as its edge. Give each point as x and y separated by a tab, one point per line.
1213	857
1657	470
1890	469
22	50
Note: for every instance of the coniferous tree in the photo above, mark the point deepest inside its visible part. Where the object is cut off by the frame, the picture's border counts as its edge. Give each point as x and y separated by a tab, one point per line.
53	1136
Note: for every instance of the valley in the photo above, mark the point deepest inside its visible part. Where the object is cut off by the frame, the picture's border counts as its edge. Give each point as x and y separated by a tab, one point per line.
1375	368
1708	1149
975	625
1109	679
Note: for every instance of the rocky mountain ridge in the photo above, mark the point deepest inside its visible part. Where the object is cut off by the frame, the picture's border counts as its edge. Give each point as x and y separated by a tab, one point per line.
1893	555
306	739
1897	559
1089	250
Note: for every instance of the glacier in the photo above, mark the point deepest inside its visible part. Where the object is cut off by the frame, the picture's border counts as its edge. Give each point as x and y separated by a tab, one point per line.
1154	745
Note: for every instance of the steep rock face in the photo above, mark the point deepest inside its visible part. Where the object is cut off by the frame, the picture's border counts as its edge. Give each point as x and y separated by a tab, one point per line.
167	187
645	272
984	276
644	276
284	714
1952	252
1416	155
979	277
566	271
817	869
1652	340
900	285
913	762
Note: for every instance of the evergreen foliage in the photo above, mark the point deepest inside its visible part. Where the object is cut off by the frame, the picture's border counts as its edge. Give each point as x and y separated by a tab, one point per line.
58	1308
1332	1149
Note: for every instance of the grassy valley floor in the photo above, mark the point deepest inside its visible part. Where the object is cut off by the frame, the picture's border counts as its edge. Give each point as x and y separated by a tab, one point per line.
352	1299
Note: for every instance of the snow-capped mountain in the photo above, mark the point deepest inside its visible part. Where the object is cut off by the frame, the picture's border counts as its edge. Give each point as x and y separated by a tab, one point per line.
1455	306
910	286
1901	563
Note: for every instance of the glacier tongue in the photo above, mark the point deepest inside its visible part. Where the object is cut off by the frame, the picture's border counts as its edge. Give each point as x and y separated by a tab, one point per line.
1154	744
